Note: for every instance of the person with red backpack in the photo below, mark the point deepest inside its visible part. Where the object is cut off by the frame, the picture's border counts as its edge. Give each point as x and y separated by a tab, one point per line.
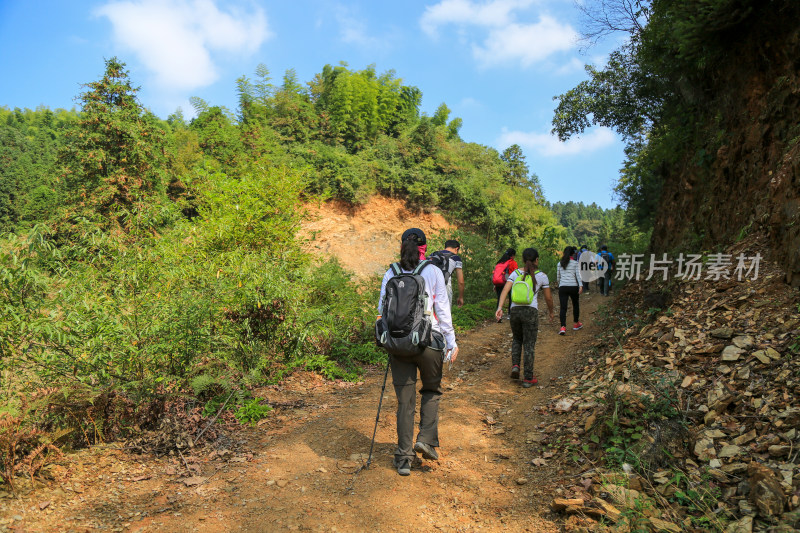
504	267
415	328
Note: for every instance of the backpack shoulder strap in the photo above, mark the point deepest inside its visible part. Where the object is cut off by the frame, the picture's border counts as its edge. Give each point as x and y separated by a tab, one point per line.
396	269
420	266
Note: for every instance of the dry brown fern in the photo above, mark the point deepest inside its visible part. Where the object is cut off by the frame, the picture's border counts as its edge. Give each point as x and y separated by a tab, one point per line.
23	446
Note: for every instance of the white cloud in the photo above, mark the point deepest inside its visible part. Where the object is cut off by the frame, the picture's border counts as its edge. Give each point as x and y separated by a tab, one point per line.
526	43
354	30
502	35
547	145
469	102
463	12
177	39
570	67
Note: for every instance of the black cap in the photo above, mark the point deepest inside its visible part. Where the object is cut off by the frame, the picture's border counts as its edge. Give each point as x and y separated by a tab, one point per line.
414	233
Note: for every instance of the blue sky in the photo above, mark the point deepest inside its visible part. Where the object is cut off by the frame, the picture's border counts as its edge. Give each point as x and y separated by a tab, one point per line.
496	63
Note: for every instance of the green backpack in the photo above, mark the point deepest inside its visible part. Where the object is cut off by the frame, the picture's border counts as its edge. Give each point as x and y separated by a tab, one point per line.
522	292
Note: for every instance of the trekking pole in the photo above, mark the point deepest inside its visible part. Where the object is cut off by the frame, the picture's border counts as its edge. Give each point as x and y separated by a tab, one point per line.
377	416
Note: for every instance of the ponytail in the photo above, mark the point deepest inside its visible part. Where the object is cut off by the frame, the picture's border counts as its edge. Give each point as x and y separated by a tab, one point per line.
566	257
409	254
529	257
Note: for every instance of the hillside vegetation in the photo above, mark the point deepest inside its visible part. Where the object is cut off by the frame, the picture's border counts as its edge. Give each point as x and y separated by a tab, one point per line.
706	94
146	257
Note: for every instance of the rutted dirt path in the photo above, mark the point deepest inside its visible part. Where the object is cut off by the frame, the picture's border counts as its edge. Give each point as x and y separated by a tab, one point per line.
293	472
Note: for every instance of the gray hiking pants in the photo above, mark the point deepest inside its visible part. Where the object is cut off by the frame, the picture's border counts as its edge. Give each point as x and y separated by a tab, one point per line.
525	329
404	379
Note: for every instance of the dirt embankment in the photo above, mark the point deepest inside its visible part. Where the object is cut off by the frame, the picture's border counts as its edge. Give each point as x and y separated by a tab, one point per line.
746	179
365	238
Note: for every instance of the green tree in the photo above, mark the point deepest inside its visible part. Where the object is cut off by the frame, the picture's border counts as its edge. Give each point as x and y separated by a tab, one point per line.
115	157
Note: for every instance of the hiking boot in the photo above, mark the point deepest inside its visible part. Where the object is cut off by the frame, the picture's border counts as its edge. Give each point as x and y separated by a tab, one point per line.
562	331
515	372
577	326
403	466
528	383
427	451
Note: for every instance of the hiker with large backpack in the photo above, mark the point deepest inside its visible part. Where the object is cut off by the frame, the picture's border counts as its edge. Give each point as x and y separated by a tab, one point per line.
524	285
415	328
570	286
452	266
504	267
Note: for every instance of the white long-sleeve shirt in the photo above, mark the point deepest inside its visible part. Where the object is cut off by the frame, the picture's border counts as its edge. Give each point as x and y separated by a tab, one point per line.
437	299
570	276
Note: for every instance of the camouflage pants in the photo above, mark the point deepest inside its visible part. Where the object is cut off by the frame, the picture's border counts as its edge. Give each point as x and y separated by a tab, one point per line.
525	328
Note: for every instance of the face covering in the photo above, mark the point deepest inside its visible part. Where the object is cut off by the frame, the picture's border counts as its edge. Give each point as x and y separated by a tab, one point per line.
422	250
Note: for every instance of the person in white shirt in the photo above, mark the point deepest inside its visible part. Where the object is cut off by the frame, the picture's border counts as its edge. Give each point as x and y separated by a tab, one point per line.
525	317
429	362
570	286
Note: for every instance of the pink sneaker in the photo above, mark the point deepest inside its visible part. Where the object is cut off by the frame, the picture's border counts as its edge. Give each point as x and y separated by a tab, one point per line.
577	326
562	331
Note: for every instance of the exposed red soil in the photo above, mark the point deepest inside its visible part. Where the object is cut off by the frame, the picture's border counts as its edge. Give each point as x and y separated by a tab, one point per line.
361	238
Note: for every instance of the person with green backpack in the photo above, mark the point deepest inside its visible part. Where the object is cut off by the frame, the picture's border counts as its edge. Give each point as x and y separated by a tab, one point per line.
524	285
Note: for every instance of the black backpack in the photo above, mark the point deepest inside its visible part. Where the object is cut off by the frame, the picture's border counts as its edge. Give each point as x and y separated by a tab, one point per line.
442	260
405	327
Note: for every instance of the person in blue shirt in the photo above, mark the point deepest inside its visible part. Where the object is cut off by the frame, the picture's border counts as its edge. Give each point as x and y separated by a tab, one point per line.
605	281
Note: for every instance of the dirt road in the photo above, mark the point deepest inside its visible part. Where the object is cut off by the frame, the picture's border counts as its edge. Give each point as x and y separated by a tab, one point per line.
295	472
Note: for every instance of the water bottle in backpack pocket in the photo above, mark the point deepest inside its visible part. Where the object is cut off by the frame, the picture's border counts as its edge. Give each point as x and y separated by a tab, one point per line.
405	326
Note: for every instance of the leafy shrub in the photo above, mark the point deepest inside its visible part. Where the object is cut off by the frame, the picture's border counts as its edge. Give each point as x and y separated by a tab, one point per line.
252	411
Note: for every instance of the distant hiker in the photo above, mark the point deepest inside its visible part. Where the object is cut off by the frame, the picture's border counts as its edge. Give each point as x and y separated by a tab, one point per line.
415	328
570	286
504	267
452	265
605	281
584	248
524	285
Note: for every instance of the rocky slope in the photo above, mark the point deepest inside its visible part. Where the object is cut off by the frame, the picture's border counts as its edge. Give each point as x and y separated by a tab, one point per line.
708	373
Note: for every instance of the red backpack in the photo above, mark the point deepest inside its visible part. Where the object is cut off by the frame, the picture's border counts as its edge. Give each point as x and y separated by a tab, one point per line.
499	276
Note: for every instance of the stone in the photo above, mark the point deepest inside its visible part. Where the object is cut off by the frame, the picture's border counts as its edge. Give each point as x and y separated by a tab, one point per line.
722	333
521	481
734	468
744	341
744	439
610	512
729	451
718	474
731	353
744	525
772	353
704	449
779	450
761	355
659	525
766	492
561	504
281	483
